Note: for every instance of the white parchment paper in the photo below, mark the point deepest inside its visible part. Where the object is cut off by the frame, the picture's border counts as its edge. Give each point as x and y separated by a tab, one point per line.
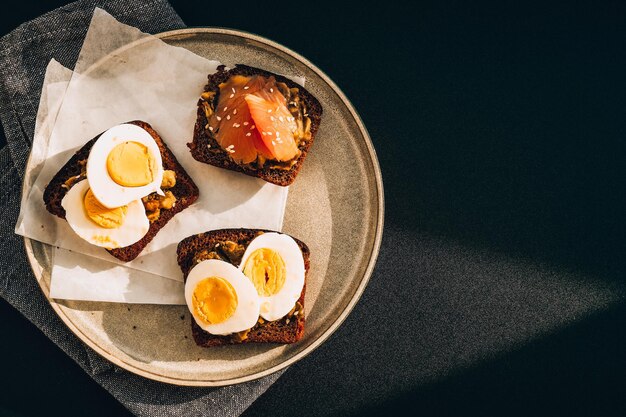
159	84
79	277
76	276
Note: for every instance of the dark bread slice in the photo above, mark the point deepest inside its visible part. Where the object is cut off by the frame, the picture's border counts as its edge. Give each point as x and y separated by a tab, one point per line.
279	331
185	191
215	155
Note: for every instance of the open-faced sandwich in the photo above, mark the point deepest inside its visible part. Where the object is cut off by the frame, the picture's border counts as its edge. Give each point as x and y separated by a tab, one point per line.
252	121
120	189
244	286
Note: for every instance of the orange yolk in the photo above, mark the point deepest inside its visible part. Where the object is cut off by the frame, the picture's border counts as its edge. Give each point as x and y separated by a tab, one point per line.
103	216
214	300
266	269
131	164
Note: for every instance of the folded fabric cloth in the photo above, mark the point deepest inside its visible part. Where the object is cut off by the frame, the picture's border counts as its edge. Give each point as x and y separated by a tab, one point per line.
24	55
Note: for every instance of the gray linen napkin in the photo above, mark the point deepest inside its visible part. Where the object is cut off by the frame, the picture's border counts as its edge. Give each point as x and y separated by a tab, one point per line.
24	54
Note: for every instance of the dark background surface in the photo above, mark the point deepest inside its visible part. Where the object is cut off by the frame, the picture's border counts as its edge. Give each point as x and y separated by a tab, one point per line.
500	288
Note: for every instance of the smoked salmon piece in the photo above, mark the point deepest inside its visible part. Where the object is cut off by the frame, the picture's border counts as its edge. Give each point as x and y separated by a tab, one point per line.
251	119
275	125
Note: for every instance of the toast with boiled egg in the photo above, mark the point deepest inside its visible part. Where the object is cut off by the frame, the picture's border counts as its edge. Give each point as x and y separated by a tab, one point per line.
120	189
244	286
255	122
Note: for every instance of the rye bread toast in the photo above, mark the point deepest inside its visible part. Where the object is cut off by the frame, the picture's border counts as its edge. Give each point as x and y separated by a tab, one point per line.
205	148
289	329
185	190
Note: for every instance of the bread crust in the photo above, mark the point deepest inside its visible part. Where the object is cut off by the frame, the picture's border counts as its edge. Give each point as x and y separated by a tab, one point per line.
185	190
205	148
280	331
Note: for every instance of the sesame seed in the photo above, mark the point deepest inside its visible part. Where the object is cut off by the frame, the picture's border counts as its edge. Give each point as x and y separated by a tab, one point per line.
269	133
277	134
272	118
252	128
211	128
225	108
219	118
208	146
269	110
232	95
305	114
245	123
281	118
236	125
248	134
264	133
246	87
228	117
271	90
235	111
232	151
273	143
233	88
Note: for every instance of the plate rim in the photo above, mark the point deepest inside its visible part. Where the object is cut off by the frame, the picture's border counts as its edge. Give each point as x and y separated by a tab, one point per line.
355	297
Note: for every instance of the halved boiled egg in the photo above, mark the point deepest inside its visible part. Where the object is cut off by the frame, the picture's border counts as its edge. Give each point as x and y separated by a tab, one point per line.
124	165
274	264
102	226
220	298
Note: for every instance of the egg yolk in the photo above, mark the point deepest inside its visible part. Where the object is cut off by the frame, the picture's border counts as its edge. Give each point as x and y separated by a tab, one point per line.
214	300
131	164
266	269
103	216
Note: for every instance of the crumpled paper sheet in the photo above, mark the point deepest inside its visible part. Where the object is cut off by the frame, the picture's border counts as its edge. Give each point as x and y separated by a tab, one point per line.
112	84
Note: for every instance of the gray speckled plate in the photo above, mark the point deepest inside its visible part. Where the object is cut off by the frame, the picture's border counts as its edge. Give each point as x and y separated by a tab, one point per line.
335	206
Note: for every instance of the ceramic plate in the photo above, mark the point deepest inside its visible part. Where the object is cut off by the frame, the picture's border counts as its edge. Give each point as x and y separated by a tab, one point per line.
335	206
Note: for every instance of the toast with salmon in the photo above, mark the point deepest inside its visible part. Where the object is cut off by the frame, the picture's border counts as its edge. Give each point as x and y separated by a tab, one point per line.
228	245
255	122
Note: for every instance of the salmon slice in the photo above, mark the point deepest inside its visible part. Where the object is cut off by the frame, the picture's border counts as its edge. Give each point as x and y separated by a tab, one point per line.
241	117
276	126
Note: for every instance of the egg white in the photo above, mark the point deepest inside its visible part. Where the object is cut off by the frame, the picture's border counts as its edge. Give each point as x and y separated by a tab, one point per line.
278	305
135	226
107	191
247	312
